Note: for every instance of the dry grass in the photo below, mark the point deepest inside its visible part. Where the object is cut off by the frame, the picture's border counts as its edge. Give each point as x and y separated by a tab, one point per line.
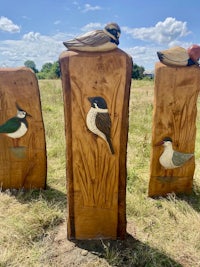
162	232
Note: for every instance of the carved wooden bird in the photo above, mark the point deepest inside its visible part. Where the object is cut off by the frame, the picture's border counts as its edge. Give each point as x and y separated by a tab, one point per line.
97	40
179	56
17	126
98	119
171	159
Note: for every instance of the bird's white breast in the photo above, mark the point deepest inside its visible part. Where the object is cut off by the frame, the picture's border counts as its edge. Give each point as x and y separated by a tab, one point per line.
91	123
166	158
19	133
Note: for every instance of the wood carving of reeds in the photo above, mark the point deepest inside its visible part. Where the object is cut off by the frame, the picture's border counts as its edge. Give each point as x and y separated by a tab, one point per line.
95	168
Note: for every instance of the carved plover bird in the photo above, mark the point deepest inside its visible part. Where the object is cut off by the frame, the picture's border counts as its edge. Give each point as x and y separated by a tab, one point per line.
97	40
98	120
171	159
179	56
17	126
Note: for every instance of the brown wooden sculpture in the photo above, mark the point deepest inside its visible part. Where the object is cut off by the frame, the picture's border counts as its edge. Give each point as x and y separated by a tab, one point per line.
96	89
22	139
174	129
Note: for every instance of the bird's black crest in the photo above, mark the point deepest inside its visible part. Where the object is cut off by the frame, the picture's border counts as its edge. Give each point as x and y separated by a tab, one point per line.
100	101
167	139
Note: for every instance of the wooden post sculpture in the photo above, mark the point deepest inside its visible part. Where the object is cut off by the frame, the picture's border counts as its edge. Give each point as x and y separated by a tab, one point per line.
174	130
22	139
96	88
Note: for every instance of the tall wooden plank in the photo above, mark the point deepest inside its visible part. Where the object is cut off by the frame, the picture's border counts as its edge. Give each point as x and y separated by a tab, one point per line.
22	161
96	178
175	108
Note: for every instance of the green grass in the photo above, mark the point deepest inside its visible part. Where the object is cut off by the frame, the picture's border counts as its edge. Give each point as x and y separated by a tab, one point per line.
162	232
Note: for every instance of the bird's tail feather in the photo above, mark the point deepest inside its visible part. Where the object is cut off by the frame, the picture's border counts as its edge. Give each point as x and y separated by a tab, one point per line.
110	146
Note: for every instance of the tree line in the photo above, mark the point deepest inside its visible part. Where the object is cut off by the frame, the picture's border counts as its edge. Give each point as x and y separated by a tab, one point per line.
48	70
52	70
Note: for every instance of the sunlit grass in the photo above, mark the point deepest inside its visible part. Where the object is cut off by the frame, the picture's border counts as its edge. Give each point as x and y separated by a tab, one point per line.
166	230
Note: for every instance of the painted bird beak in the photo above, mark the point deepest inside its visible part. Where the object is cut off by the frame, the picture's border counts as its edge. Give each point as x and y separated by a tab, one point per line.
159	143
29	115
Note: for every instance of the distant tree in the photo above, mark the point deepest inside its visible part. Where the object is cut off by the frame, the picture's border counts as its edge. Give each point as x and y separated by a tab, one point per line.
31	64
49	71
55	71
46	67
137	72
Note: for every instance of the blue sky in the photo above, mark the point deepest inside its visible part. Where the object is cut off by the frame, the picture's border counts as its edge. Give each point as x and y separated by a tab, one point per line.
35	30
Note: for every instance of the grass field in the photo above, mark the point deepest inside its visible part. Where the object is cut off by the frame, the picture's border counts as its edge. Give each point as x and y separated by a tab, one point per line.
162	232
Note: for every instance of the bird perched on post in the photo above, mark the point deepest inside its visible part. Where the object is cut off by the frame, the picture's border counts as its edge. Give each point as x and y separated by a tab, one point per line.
97	40
171	159
179	56
16	127
98	119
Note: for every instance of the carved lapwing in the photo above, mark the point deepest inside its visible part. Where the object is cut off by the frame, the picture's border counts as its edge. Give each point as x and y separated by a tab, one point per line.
171	159
179	56
17	126
97	40
98	120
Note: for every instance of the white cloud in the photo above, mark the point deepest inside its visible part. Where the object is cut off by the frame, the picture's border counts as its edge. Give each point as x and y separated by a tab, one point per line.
164	32
88	7
31	36
7	25
143	55
92	26
33	46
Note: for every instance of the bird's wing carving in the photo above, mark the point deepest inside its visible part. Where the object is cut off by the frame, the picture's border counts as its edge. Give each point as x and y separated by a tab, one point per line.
103	123
93	38
180	158
10	126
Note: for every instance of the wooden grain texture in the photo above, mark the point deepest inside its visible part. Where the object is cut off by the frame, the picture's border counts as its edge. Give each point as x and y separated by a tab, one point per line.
24	166
175	107
96	179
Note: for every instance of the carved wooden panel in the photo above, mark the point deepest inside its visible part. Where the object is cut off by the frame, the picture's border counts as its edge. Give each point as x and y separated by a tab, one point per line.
22	153
96	178
175	98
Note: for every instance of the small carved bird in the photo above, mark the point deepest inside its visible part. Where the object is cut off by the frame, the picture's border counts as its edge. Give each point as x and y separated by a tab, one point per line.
179	56
97	40
16	127
171	159
98	119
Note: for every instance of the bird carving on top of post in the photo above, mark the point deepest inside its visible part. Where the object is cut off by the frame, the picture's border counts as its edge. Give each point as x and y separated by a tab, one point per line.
97	40
179	56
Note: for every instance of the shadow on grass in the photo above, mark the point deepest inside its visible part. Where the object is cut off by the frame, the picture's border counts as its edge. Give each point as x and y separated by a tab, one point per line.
129	252
49	194
192	199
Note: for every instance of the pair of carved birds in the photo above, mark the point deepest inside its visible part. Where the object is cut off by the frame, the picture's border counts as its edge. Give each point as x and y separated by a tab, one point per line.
171	159
98	40
179	56
98	119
